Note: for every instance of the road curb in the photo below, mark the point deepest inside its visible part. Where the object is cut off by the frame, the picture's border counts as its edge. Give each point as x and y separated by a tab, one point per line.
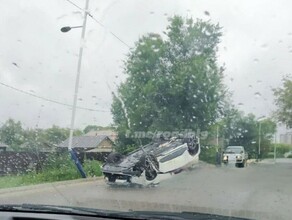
251	161
44	185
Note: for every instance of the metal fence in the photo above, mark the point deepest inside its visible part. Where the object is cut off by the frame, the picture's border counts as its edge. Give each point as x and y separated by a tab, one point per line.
12	163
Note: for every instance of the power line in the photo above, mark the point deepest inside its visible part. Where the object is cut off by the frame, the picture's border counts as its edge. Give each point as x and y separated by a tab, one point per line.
75	5
49	100
118	38
102	25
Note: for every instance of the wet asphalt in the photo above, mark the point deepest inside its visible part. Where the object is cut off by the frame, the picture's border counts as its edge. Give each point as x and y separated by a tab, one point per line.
259	191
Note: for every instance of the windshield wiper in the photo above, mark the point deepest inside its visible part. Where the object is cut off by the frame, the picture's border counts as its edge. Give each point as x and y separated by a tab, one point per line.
181	215
59	210
113	214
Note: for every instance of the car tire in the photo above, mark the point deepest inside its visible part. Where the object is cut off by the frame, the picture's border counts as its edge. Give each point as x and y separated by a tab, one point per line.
193	145
150	165
114	157
241	165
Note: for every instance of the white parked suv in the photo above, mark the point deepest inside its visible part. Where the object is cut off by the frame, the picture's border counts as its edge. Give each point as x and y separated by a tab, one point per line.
235	155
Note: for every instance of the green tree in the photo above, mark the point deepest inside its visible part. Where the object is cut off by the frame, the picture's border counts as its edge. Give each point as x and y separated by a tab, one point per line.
33	139
37	139
244	131
89	128
55	135
11	133
224	126
173	83
283	100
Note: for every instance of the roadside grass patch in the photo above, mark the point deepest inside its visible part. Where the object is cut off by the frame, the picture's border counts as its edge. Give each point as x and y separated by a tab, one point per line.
57	168
10	181
208	155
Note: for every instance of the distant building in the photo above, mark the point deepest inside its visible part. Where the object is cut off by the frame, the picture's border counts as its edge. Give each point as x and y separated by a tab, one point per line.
110	133
98	144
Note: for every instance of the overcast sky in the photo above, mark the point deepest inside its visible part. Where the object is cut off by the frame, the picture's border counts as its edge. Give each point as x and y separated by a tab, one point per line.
35	57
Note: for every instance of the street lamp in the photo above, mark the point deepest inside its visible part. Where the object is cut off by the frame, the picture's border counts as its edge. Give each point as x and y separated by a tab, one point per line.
260	126
66	29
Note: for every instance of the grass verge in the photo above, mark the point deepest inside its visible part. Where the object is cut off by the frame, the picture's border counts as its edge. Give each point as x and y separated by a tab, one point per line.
208	155
59	169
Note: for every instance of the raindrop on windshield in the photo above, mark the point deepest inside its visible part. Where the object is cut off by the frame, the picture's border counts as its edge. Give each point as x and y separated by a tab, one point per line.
240	103
15	64
257	95
77	13
207	13
256	60
62	16
264	46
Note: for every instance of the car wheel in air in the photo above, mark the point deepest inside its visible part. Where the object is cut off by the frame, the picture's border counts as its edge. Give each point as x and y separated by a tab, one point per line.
150	165
193	145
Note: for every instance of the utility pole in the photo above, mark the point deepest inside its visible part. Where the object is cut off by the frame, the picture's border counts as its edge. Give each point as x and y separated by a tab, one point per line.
259	153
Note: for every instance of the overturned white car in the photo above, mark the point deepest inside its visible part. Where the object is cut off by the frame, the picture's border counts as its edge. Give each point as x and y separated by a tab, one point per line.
145	165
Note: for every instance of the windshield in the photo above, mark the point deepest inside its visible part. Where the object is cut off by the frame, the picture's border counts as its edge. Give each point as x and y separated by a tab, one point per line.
84	83
233	150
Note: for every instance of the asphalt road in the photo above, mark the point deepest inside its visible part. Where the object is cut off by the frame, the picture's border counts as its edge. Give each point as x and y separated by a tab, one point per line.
260	191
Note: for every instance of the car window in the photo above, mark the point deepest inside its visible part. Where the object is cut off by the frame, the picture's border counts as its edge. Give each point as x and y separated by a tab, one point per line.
234	150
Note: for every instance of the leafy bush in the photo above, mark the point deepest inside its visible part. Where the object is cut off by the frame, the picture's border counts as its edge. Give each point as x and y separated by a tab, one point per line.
92	168
59	168
269	155
290	156
126	149
208	154
281	149
58	161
